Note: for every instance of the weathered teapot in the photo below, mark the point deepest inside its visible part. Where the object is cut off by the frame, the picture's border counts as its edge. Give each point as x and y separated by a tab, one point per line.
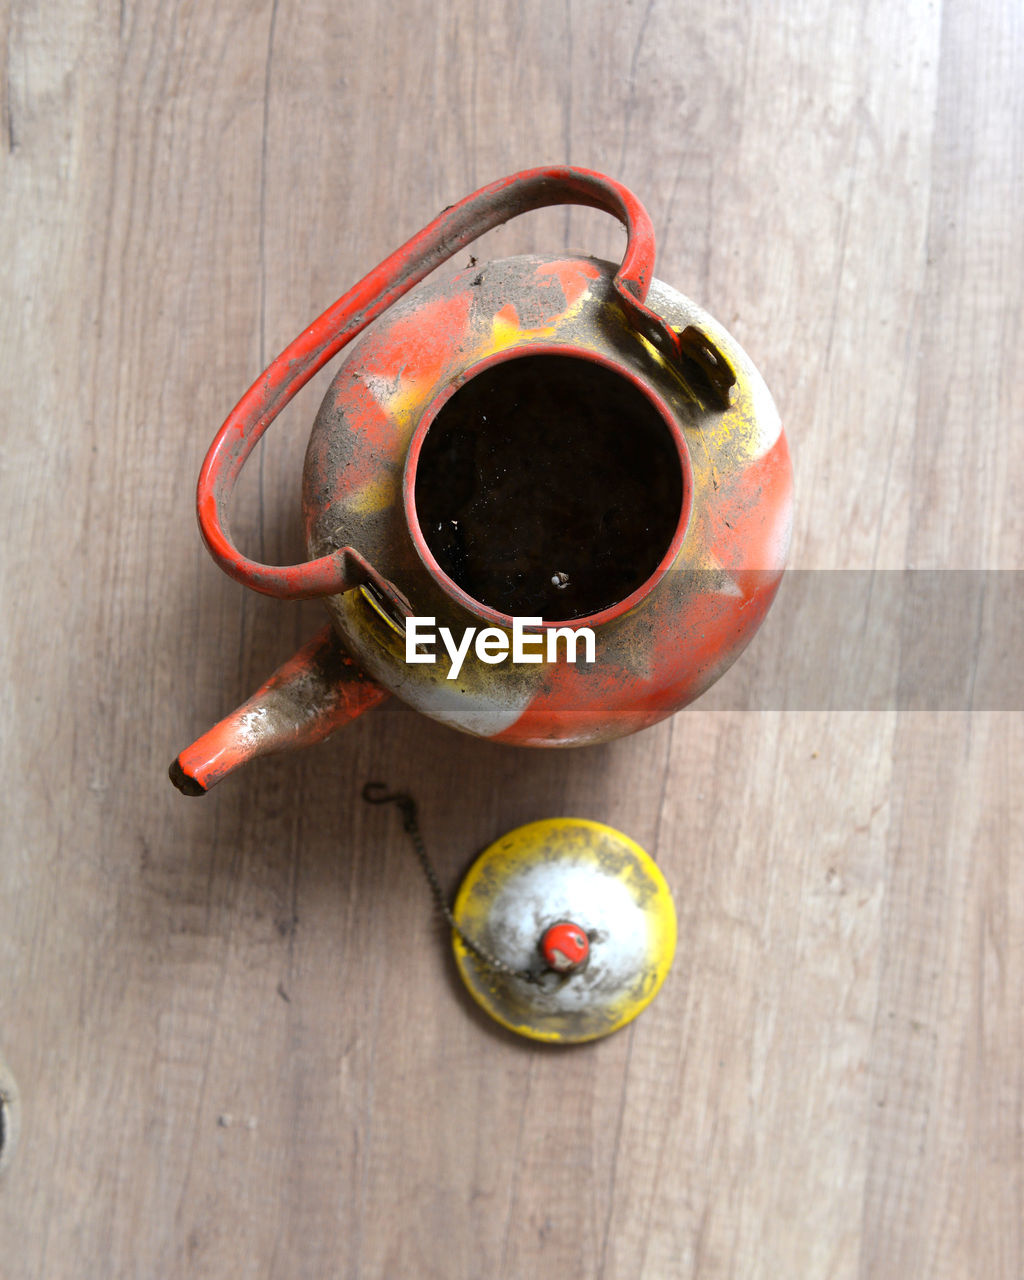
537	446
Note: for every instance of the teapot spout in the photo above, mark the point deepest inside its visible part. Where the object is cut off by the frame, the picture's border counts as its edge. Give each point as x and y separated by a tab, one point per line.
315	692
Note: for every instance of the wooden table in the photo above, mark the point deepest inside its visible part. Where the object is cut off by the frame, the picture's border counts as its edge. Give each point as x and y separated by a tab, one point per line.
241	1045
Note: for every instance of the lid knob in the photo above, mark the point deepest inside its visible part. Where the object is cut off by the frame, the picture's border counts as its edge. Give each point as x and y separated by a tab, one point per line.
565	947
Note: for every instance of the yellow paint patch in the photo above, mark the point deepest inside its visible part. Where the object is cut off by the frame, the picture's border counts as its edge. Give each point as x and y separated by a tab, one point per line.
376	495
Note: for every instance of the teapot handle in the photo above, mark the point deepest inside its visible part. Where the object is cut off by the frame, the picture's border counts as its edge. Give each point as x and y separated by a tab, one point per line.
450	231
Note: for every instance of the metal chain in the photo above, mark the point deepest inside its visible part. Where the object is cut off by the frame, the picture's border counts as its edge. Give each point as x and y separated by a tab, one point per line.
378	793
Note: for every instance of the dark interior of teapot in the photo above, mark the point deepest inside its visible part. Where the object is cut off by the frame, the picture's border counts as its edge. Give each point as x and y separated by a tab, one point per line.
549	486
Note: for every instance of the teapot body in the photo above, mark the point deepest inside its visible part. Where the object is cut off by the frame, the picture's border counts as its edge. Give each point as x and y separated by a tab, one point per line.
681	625
538	449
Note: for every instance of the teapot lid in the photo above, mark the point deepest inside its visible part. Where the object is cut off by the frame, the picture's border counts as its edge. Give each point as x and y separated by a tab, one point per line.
580	918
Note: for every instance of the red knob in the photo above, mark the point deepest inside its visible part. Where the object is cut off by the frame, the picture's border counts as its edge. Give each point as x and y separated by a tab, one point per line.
565	946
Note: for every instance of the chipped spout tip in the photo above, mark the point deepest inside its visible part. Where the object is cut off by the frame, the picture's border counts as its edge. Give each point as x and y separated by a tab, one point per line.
186	784
315	692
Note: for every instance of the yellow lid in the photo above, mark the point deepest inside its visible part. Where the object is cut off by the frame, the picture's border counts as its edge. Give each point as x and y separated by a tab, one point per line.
528	899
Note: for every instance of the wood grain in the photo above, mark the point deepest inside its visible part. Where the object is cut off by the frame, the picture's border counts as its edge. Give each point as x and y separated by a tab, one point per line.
241	1046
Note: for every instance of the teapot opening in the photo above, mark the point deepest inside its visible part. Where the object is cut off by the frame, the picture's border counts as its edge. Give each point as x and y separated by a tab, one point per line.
549	485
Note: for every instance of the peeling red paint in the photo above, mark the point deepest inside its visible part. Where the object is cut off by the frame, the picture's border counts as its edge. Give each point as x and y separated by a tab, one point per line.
575	276
417	348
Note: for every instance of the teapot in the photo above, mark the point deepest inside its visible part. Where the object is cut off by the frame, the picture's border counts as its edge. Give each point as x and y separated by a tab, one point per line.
547	501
